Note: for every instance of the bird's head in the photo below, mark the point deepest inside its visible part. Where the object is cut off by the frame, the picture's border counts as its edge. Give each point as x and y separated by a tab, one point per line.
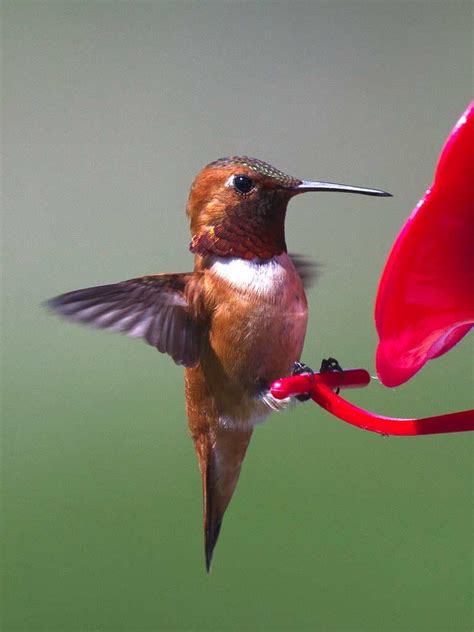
237	207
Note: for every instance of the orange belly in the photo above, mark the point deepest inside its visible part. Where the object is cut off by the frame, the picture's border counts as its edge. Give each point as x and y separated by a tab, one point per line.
256	333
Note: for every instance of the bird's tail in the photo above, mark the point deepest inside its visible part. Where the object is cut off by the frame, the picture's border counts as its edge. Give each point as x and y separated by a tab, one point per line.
220	453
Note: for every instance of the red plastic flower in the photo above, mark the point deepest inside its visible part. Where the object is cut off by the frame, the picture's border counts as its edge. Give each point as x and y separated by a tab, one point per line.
425	300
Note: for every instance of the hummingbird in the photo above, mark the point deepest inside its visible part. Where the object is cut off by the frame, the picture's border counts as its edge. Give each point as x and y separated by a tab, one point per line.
236	323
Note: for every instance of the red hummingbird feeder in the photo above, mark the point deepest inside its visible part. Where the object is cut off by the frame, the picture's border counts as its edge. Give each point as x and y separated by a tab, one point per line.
425	299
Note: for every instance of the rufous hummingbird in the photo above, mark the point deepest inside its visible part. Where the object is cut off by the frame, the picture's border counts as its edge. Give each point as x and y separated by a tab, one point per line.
236	323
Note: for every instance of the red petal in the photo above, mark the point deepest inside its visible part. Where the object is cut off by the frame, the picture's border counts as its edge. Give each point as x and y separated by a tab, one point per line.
425	300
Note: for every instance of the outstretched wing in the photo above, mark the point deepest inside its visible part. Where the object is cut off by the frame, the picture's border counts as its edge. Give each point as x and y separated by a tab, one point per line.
151	307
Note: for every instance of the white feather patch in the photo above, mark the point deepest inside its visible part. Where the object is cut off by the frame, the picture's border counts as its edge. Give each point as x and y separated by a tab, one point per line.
261	277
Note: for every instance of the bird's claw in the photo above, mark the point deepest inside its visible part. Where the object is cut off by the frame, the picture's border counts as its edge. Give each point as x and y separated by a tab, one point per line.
331	365
298	369
327	365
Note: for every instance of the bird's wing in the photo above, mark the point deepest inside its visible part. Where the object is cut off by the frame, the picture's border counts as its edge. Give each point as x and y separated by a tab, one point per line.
308	269
155	308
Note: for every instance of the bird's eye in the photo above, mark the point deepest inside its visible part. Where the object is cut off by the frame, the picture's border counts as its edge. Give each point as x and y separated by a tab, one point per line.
243	184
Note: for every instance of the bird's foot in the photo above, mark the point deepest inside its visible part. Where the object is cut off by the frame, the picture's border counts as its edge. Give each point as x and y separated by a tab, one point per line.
331	365
298	369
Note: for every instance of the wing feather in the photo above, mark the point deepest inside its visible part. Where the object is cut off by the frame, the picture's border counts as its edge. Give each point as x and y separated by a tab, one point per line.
153	307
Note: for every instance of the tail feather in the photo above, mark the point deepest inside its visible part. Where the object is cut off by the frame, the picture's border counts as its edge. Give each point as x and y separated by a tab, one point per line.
212	517
220	453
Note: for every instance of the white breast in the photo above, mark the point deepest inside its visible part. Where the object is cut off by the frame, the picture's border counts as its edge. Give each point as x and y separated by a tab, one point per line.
260	277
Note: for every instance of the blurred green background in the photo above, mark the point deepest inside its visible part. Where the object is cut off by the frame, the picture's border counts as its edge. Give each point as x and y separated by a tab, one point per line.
109	110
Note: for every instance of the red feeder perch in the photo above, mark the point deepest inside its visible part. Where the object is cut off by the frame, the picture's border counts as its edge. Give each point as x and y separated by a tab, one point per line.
319	386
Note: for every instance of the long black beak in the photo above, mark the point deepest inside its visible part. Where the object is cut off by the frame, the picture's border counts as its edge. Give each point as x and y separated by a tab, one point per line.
333	186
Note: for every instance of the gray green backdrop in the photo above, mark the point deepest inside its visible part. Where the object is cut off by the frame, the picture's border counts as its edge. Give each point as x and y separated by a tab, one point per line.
109	109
